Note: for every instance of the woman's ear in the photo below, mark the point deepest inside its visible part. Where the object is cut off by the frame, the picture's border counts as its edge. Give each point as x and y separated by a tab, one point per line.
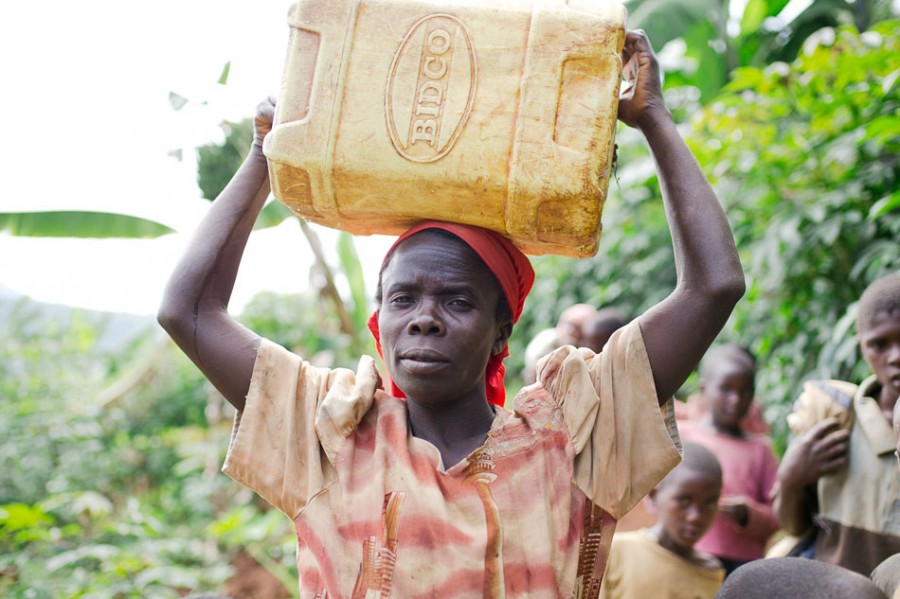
503	333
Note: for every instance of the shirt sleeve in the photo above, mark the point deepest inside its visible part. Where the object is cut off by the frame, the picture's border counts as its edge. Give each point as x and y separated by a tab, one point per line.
625	443
294	420
820	400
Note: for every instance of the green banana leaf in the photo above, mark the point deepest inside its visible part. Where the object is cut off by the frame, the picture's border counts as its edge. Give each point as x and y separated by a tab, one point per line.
80	224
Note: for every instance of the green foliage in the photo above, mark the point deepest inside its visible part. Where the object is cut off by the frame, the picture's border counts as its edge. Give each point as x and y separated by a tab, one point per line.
272	214
216	163
79	223
267	536
226	70
351	269
102	494
805	158
110	449
48	551
42	362
720	36
305	324
713	42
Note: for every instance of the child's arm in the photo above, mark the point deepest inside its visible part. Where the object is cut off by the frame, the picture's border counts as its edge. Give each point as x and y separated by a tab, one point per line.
194	309
678	330
752	510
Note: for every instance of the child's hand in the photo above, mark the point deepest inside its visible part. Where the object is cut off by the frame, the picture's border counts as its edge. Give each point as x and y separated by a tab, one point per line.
262	122
641	96
734	509
820	450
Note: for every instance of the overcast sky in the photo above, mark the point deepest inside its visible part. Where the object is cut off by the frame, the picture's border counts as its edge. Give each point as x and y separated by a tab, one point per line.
87	125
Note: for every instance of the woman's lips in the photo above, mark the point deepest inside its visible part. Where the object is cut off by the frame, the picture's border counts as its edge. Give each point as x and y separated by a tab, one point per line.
423	355
422	360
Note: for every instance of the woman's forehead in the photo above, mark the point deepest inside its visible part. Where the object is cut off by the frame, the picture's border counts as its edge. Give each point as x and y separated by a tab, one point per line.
442	255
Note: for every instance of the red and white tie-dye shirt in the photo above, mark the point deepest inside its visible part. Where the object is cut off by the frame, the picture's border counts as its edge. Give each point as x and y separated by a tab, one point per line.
528	514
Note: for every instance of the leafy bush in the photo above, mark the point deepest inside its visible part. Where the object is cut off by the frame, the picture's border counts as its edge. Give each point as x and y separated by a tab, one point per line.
805	157
105	487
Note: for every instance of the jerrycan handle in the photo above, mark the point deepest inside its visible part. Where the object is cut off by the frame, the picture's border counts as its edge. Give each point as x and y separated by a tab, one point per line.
574	57
311	92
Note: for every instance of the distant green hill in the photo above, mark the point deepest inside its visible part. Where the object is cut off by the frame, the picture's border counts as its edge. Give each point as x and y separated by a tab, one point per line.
20	313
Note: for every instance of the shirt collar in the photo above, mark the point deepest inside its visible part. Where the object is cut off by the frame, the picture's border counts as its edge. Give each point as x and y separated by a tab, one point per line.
872	422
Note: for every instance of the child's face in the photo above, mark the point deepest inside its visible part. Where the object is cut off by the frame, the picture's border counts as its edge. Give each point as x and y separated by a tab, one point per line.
686	504
879	342
728	391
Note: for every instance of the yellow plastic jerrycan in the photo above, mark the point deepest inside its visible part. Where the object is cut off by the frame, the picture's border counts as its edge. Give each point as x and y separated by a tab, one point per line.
496	113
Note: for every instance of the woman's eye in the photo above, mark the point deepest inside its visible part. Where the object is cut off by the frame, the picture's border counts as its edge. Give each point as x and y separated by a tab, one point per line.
460	303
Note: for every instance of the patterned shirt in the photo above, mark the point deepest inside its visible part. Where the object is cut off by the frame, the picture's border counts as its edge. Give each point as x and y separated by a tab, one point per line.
530	513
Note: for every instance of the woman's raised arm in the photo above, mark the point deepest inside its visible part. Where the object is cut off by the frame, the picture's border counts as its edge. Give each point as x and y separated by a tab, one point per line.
710	281
194	309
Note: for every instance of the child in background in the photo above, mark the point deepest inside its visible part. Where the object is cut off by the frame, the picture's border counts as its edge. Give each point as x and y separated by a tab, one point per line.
600	327
838	479
686	502
568	331
697	408
746	519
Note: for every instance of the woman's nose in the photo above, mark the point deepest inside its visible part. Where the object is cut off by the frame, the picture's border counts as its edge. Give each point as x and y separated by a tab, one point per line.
426	320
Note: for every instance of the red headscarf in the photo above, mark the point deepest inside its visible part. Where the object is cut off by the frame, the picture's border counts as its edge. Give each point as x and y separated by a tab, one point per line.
512	270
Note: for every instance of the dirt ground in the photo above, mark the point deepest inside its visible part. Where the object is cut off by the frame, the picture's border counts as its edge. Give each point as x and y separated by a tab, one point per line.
252	581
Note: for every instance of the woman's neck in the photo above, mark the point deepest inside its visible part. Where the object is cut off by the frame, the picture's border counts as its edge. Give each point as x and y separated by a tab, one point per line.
455	429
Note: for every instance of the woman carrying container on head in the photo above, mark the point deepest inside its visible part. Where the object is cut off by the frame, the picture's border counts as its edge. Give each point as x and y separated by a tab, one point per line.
428	485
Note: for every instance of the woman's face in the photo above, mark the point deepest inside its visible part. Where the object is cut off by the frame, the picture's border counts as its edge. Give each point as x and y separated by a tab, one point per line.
438	318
